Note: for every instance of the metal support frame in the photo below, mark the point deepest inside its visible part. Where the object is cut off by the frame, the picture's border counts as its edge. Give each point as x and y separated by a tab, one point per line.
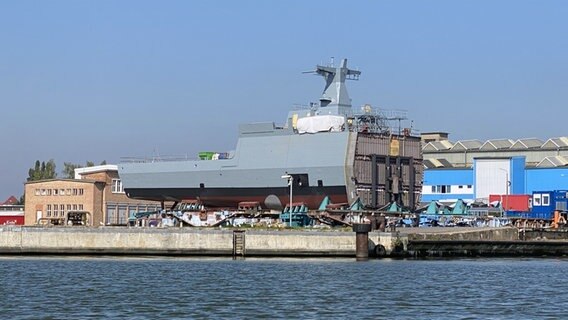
374	182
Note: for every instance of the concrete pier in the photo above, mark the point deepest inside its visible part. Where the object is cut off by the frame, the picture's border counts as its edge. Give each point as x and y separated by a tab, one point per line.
220	242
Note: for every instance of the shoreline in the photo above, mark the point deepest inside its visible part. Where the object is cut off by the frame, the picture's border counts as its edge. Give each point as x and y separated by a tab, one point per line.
221	242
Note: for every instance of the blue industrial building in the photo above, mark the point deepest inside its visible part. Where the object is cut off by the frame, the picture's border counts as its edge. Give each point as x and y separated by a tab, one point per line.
472	170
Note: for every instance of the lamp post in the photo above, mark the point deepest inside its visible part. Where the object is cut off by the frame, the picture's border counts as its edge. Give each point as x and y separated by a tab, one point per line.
507	184
290	183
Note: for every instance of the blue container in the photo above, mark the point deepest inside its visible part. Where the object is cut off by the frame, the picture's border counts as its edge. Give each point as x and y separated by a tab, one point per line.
544	203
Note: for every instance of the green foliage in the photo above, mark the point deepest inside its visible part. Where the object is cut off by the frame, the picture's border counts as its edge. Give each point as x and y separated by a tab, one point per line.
42	171
69	168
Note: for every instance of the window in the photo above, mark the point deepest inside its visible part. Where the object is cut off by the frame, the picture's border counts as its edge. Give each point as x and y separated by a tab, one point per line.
48	192
122	214
111	217
81	191
536	199
460	187
545	199
469	186
68	192
80	207
37	192
62	210
74	207
116	186
75	192
48	214
55	210
43	192
68	207
132	210
55	192
442	189
62	192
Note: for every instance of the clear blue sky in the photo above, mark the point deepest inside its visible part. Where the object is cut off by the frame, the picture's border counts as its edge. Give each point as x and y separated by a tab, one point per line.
101	80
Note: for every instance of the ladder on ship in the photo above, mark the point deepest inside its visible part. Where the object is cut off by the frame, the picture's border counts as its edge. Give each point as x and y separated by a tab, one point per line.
239	248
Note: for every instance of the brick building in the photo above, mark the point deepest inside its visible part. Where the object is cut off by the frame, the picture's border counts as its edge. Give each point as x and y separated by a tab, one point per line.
97	190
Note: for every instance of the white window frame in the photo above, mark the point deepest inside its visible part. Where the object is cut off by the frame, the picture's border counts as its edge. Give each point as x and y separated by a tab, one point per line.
116	186
536	200
545	199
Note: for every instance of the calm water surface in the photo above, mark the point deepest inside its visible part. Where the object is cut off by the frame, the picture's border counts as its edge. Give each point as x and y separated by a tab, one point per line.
182	288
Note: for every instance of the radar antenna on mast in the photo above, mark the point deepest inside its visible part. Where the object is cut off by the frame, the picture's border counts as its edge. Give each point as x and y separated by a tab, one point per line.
335	96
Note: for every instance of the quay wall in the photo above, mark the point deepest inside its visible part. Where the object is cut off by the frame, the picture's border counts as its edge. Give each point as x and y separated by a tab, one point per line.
219	242
444	234
482	248
171	241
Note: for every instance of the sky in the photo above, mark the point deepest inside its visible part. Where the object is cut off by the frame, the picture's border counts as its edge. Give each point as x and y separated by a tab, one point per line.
103	80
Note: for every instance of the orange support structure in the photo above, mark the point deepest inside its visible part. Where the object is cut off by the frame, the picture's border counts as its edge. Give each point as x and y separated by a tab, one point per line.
556	219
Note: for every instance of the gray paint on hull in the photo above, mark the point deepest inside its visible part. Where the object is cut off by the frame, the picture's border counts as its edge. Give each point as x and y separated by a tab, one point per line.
259	161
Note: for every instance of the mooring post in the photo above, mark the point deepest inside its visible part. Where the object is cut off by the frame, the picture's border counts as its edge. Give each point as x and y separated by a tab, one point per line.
361	241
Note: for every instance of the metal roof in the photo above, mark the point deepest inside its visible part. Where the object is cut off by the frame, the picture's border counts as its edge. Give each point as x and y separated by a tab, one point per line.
552	162
438	145
467	145
527	143
560	142
497	144
437	163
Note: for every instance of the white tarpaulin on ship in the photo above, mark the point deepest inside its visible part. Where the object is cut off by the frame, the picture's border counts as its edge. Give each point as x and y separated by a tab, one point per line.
320	124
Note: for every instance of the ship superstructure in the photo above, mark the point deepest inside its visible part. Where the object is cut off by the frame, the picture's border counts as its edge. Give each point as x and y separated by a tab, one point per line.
327	149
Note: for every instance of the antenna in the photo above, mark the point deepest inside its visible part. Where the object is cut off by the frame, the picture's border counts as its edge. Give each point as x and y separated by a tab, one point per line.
398	115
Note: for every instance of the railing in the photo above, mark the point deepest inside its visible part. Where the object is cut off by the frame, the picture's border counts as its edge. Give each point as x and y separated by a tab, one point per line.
156	159
167	158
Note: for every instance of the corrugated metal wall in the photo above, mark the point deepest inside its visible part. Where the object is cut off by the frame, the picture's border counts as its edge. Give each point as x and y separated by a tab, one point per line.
368	144
391	184
491	176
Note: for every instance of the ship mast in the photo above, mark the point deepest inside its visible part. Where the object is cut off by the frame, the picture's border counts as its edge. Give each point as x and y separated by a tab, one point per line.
335	99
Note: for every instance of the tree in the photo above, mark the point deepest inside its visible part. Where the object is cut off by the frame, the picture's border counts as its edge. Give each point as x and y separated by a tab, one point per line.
69	168
42	171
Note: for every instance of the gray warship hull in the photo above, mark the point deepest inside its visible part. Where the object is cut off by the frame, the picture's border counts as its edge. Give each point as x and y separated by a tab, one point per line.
345	162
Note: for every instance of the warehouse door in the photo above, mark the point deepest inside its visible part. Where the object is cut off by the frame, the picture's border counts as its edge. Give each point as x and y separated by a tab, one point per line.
492	176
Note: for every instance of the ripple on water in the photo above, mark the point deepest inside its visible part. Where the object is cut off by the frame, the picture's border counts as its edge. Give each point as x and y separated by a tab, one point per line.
181	288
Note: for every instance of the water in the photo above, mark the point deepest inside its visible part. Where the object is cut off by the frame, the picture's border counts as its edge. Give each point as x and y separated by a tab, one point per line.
189	288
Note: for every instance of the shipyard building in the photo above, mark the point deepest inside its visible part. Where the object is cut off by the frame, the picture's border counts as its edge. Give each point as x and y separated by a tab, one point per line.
472	170
96	191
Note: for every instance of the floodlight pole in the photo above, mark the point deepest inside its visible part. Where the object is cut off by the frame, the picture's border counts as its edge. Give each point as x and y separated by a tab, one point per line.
290	179
507	186
290	182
